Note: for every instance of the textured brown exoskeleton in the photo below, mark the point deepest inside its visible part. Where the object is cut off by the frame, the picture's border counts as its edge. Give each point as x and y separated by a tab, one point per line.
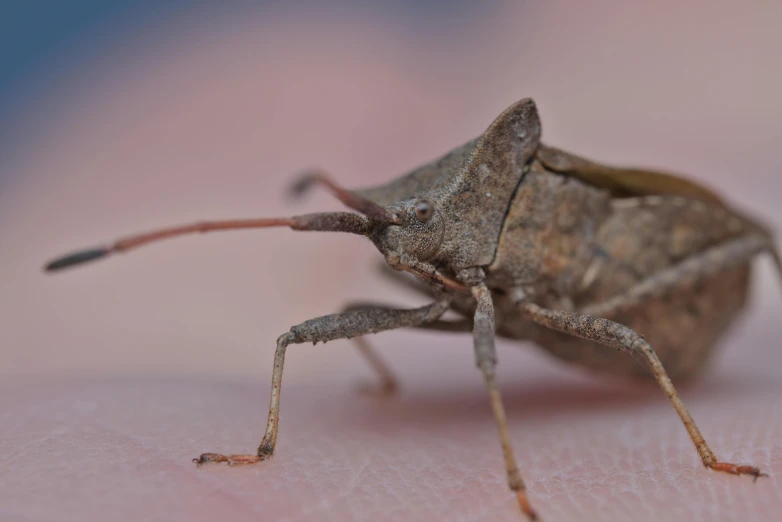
529	242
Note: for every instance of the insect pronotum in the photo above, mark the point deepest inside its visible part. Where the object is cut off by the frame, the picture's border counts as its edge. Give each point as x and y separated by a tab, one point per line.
577	257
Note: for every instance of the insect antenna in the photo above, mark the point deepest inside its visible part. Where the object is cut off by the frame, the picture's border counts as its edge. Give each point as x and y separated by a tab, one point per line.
330	221
323	222
350	199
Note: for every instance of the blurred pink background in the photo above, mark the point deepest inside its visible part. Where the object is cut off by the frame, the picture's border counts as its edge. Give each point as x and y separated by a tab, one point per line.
209	113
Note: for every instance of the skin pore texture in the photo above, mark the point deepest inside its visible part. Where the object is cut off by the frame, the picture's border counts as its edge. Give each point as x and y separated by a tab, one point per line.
115	376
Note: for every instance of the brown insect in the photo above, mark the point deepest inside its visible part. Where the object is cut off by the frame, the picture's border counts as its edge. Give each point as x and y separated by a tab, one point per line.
530	242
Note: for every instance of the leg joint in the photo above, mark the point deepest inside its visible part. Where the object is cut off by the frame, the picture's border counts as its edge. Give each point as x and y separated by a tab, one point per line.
285	339
514	480
639	344
266	449
487	364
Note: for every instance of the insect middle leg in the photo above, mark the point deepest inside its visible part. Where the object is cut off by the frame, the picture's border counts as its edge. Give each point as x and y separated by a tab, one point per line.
388	383
327	328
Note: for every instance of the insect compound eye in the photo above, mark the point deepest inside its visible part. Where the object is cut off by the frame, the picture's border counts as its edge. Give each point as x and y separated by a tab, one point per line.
424	210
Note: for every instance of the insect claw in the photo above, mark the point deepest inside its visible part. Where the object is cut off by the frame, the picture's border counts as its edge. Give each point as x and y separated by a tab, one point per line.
525	506
738	470
231	460
385	390
756	476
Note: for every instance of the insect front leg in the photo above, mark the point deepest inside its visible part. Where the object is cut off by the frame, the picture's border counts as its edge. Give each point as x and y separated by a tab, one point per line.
486	359
615	335
327	328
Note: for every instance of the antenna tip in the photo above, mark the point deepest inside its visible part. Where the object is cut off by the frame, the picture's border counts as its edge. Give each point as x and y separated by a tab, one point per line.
77	258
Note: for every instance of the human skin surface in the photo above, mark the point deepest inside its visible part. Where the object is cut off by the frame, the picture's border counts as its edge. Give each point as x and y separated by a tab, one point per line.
116	375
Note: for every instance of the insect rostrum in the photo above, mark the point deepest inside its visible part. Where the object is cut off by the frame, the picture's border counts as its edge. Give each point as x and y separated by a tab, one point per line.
598	265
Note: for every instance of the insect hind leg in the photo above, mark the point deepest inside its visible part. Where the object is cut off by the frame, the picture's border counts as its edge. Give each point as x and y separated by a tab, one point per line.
615	335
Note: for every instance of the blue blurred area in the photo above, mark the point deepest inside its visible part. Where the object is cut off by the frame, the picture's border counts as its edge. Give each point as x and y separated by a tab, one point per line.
35	35
38	35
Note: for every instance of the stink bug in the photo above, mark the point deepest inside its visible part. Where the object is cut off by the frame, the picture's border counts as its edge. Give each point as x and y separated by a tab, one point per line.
532	243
